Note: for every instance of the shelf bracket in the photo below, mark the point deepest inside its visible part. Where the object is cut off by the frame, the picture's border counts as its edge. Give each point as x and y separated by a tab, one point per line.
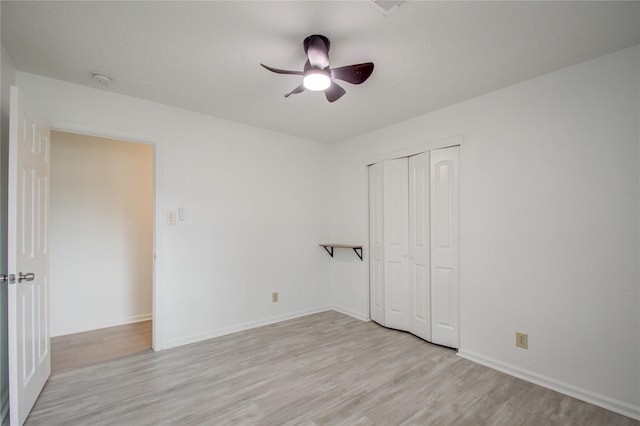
358	252
330	246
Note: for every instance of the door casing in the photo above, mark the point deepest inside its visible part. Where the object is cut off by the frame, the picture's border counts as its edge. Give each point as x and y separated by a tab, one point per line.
156	143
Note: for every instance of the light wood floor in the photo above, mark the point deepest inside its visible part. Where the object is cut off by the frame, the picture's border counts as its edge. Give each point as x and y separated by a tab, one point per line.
92	347
322	369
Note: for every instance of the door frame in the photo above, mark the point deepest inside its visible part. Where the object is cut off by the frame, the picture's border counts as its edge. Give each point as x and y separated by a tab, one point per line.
414	149
156	144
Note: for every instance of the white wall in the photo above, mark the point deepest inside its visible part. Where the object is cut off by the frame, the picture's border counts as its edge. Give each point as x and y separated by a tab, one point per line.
8	78
101	232
549	225
255	204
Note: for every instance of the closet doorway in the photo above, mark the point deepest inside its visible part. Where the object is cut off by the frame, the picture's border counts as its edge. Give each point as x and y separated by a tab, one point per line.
414	244
101	259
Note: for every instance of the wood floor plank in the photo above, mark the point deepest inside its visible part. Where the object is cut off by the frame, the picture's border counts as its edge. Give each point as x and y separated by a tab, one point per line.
78	350
322	369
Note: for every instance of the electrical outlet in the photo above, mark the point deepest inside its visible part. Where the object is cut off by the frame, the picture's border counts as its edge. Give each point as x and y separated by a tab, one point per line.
522	340
274	297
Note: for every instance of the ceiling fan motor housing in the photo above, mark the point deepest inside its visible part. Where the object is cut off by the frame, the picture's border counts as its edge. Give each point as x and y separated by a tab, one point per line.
314	37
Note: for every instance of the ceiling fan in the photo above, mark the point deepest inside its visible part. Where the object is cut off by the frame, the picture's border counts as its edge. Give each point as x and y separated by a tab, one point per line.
317	76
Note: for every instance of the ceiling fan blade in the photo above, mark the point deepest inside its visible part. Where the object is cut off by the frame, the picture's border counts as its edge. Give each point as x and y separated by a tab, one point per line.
298	89
279	71
334	92
354	74
317	51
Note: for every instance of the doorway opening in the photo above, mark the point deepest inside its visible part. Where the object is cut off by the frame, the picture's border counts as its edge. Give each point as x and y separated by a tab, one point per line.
101	249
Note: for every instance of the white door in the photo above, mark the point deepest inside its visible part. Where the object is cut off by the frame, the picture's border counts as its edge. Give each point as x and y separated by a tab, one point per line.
396	243
376	248
444	246
419	247
29	354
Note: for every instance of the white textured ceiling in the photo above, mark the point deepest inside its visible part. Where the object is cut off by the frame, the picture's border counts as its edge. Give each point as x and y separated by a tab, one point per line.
204	56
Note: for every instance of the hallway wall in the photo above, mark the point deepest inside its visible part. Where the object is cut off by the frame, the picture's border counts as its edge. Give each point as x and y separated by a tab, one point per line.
101	232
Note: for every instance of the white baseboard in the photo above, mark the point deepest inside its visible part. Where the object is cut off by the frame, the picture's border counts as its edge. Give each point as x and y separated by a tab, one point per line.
4	404
351	313
96	326
594	398
172	343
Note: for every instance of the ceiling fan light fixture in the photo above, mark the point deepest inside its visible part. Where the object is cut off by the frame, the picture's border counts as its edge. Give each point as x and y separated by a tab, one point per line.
316	80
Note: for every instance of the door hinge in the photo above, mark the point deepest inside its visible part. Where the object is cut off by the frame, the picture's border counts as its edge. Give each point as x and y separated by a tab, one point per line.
11	278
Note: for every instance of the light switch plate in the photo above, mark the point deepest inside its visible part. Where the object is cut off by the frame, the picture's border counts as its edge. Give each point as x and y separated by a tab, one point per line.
171	218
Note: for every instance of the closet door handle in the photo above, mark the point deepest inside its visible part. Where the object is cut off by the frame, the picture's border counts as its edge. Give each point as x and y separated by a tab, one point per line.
29	276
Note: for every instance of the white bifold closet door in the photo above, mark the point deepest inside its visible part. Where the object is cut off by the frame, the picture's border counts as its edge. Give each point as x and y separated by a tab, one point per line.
445	306
396	237
419	246
413	220
376	248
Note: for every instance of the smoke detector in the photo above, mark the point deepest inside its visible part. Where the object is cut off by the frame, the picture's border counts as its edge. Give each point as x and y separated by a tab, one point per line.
101	78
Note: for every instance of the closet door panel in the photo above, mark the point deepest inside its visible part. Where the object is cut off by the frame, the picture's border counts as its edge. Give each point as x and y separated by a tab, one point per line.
419	246
376	244
396	231
444	290
395	286
444	246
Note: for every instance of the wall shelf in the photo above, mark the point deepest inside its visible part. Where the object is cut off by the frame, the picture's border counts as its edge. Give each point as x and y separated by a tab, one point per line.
330	246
